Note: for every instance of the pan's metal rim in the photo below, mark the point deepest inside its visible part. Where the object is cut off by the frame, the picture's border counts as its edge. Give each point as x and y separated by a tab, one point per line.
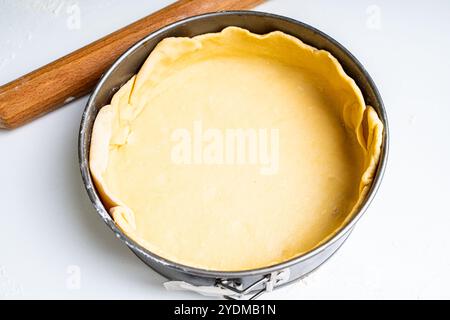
95	199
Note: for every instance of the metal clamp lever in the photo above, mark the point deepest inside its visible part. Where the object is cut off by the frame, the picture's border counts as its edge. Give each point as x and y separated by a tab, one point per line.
269	281
232	289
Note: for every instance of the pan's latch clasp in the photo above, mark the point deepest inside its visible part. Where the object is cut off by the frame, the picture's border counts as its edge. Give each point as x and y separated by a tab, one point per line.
256	289
233	289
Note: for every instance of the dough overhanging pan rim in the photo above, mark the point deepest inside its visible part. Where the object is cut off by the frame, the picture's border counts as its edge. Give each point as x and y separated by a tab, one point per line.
130	62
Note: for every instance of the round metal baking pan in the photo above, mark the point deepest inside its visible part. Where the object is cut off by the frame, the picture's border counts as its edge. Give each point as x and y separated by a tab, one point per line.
240	282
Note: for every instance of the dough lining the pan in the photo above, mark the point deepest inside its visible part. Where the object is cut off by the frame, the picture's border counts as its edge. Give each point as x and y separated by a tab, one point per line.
230	217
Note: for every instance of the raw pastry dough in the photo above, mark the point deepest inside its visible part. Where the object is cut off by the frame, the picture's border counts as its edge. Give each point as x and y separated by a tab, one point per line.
232	217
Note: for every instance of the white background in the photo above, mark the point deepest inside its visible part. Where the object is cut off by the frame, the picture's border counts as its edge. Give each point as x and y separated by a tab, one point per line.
50	237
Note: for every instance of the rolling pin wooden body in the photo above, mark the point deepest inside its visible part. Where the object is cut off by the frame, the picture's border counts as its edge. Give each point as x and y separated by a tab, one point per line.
76	74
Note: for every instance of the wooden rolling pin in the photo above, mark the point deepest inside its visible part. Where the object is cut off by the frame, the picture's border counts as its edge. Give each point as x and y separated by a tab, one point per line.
76	74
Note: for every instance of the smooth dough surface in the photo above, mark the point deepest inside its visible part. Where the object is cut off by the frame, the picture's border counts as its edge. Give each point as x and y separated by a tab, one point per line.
232	217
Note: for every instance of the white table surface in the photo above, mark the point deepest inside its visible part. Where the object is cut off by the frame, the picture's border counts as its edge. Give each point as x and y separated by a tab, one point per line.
53	245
